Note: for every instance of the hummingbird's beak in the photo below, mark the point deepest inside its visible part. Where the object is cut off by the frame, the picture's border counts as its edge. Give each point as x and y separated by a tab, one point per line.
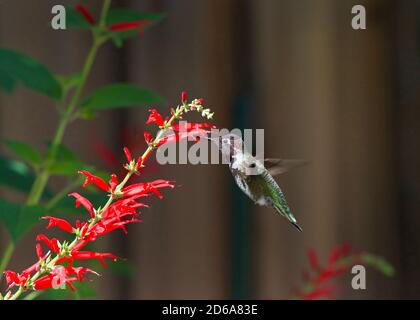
215	140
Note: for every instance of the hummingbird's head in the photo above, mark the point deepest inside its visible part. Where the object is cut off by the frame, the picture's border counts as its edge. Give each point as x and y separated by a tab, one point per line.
229	144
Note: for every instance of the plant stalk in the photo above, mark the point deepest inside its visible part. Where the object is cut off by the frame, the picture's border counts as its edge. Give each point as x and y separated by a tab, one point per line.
43	175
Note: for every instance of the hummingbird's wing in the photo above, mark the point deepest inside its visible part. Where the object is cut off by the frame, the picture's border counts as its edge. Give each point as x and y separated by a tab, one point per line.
279	166
266	192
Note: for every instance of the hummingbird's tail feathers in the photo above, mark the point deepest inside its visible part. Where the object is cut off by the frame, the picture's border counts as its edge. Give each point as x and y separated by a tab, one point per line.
288	215
297	226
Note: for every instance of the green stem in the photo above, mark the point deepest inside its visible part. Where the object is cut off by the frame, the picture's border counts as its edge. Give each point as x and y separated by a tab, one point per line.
43	175
104	12
6	256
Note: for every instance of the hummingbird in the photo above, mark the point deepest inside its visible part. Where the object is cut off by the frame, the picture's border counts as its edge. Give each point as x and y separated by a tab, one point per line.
255	177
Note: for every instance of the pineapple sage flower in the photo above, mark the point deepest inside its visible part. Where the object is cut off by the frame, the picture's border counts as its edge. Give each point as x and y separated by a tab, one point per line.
115	27
59	266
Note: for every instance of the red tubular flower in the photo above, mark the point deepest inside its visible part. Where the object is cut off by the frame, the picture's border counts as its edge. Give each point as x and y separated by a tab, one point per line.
127	154
12	278
326	292
155	117
113	182
339	251
144	188
55	268
84	202
188	126
60	223
125	26
139	163
38	251
87	255
101	184
147	137
86	14
183	97
330	273
313	259
191	135
51	244
61	276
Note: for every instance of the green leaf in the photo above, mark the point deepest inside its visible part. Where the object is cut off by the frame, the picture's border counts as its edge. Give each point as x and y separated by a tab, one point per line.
16	66
378	263
7	83
66	162
75	20
117	96
118	15
24	151
65	168
17	175
64	153
19	219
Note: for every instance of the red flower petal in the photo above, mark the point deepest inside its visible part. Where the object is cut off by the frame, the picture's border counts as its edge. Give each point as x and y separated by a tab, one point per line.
12	277
191	135
188	126
80	200
155	117
86	255
326	292
339	252
124	26
86	14
101	184
38	250
52	244
145	188
183	96
128	154
313	259
147	137
113	182
60	223
139	163
330	273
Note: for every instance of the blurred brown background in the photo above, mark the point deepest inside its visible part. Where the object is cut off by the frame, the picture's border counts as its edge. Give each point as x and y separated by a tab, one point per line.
346	100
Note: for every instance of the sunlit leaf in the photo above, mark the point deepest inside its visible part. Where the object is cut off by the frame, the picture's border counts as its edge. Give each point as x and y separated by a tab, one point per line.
15	174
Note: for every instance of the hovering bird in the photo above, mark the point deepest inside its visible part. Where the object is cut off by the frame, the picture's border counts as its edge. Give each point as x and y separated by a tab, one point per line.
255	177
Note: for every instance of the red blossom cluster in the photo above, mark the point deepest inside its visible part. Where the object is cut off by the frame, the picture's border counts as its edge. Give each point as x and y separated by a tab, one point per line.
341	259
115	27
56	269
